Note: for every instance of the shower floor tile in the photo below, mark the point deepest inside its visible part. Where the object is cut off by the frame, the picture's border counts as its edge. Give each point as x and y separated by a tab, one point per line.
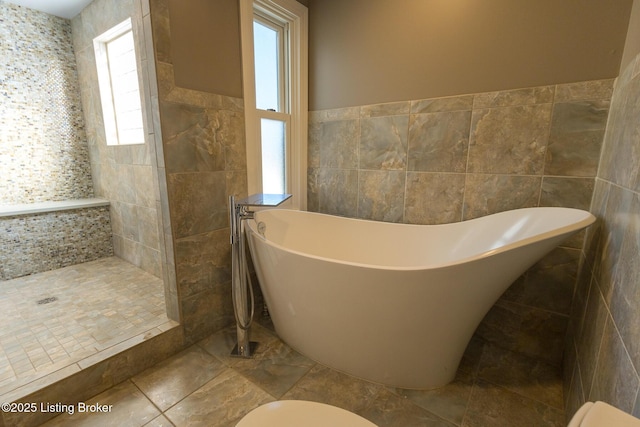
54	319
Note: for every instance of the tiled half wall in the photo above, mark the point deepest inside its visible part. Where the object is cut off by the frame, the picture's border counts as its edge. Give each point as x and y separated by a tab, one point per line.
450	159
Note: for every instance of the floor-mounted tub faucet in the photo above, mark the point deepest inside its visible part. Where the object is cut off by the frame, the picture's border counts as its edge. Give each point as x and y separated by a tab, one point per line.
243	303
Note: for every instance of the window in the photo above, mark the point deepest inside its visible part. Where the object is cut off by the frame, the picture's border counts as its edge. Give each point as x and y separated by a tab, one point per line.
119	89
274	49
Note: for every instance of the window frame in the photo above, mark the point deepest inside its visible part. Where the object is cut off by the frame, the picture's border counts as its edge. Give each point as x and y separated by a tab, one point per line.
296	17
107	98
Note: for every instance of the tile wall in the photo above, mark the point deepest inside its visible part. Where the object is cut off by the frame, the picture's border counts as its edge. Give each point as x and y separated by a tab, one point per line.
451	159
43	145
602	359
47	241
204	162
125	174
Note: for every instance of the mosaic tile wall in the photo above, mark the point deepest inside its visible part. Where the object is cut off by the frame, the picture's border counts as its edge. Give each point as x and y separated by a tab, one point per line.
41	242
603	344
451	159
43	146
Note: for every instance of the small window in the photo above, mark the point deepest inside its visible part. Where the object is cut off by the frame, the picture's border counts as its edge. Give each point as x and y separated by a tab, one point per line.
119	89
270	54
274	48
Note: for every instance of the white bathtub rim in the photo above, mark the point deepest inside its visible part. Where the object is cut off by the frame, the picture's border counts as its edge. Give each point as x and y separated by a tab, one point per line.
564	230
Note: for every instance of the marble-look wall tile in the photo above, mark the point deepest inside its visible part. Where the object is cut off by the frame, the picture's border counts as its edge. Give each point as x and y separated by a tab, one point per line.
615	220
314	142
161	31
203	259
502	133
381	195
575	141
389	109
145	191
334	114
229	130
581	91
626	284
433	198
578	308
619	163
439	142
594	233
615	379
512	98
334	191
237	182
210	310
604	355
190	144
198	202
590	336
488	194
510	140
572	401
567	192
335	144
438	105
383	143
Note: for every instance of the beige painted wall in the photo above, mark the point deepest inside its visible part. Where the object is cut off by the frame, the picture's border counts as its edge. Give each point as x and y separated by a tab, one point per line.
632	46
373	51
205	45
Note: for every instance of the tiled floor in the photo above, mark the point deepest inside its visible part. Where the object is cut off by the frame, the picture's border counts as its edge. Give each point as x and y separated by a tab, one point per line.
204	386
53	319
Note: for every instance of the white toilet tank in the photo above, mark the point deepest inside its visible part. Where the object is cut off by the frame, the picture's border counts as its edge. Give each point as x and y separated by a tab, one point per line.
601	414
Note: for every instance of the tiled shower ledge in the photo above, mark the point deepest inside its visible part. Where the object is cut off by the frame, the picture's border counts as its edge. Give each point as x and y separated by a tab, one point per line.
41	207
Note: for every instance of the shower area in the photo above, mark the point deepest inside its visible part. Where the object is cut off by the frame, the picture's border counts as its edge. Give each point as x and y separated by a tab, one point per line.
80	248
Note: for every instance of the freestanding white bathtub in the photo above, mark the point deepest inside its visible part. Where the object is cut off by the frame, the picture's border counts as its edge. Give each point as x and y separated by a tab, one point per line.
394	303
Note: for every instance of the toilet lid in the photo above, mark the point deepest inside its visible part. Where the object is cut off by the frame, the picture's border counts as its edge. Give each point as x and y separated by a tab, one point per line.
290	413
603	414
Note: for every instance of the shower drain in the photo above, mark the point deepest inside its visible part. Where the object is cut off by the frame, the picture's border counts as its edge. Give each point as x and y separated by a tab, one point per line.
47	300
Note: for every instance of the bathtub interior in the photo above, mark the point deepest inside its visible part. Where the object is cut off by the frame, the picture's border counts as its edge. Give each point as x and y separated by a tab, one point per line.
414	246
